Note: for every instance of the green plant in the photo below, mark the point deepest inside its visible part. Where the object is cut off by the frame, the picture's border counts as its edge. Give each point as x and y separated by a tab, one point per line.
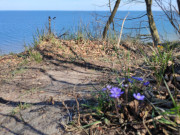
11	53
40	36
18	71
104	102
109	102
159	61
35	55
21	106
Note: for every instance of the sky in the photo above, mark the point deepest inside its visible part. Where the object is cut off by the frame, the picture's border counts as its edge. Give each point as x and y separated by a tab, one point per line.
72	5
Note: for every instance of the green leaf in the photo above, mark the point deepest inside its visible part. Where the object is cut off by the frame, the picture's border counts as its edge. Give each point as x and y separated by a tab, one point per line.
91	124
153	115
165	121
107	122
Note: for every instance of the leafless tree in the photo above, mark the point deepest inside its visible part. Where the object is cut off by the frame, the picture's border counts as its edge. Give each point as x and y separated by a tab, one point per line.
110	20
171	13
152	26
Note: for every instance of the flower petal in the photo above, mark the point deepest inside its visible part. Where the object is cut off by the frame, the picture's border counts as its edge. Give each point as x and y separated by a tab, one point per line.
115	92
122	92
146	83
108	86
138	96
130	80
137	78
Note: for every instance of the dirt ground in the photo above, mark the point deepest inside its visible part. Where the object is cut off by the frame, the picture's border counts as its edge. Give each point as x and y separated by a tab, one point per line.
44	86
32	94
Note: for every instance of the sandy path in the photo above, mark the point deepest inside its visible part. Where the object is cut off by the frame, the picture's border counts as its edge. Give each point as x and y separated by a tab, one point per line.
44	87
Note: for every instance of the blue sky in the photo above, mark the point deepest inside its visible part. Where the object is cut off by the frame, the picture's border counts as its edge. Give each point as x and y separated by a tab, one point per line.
95	5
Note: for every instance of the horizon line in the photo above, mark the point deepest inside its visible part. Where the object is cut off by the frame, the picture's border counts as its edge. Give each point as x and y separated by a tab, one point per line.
77	10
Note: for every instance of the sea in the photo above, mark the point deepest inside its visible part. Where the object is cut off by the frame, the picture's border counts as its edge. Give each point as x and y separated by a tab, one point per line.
19	28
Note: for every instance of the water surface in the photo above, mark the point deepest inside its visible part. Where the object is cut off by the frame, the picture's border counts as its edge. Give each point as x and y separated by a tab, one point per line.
18	27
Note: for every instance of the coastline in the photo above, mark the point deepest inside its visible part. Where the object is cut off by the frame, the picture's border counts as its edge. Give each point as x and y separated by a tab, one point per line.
16	34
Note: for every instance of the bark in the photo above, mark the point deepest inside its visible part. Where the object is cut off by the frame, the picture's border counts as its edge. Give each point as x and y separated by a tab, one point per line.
111	12
110	20
152	25
178	3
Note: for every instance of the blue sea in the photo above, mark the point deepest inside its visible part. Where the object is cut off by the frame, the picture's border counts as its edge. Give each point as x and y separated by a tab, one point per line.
17	28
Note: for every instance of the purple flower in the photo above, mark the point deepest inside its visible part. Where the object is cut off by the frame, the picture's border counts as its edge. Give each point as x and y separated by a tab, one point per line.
103	89
107	87
116	92
138	96
146	83
138	78
130	80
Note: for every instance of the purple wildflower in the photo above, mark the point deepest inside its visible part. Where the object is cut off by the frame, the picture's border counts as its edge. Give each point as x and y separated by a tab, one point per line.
138	78
130	80
138	96
146	83
107	87
103	89
116	92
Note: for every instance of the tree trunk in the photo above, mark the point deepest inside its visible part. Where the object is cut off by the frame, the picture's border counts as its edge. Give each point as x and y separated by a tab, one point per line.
178	3
110	20
152	25
111	12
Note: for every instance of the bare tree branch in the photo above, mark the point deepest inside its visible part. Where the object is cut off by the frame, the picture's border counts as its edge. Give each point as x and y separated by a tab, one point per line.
170	14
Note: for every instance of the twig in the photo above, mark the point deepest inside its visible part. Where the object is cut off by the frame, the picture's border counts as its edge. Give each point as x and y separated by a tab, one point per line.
126	94
156	118
134	18
77	102
121	31
70	117
116	106
79	115
144	123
